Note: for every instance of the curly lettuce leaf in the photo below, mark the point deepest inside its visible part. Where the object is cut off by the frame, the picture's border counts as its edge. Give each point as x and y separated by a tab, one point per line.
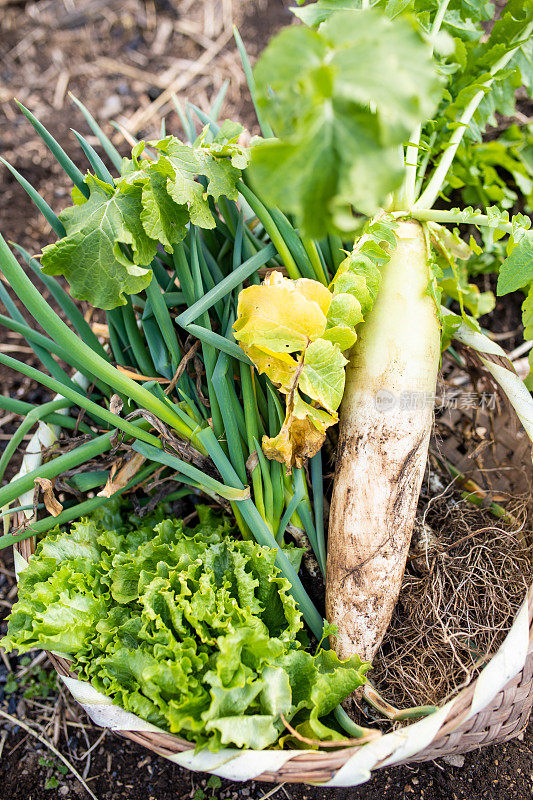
190	629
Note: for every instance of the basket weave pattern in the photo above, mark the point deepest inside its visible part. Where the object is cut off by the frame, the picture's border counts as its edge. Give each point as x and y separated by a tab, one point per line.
502	719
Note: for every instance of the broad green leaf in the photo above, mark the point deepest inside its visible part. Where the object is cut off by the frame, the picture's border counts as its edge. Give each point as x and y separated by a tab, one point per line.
112	238
322	376
341	335
478	303
226	143
186	191
517	269
312	167
345	309
461	17
527	315
350	282
163	219
450	272
527	321
491	169
401	67
188	162
183	188
313	14
143	246
450	323
90	256
341	100
276	697
359	276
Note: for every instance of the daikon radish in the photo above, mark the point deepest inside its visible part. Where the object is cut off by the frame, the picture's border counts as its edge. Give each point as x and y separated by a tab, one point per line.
386	418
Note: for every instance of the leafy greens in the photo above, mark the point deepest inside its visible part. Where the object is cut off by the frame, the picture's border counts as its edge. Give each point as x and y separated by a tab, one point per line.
295	331
113	235
342	101
190	629
310	94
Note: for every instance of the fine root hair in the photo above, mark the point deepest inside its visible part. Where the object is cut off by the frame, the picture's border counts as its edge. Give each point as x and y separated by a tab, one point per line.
467	574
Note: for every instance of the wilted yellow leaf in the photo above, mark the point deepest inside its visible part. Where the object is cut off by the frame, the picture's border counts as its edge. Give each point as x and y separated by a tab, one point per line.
315	291
278	316
281	368
302	434
294	331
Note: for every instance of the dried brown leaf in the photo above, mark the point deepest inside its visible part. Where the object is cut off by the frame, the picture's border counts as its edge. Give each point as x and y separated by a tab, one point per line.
116	404
121	474
51	503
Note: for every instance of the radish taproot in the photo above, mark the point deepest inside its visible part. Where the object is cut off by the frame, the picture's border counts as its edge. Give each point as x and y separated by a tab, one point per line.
385	423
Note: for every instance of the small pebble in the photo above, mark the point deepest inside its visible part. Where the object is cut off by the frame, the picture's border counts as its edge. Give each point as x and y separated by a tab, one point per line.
455	760
112	106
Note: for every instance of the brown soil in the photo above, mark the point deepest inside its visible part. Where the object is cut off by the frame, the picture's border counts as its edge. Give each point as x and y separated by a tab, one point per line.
113	56
127	773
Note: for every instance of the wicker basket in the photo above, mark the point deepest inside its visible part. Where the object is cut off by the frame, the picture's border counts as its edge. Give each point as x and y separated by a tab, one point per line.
492	708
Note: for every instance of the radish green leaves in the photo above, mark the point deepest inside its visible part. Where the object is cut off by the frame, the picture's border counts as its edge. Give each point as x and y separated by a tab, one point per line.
342	101
90	255
112	237
517	269
295	332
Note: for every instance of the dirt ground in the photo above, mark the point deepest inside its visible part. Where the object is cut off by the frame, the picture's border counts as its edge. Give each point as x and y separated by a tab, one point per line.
119	57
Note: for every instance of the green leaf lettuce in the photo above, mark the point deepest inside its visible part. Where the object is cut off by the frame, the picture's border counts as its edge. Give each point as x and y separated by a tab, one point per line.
191	629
